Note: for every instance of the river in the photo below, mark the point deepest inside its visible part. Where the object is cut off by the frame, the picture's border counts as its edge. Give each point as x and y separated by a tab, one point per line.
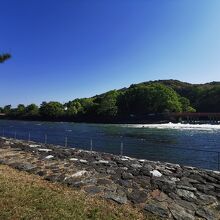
193	145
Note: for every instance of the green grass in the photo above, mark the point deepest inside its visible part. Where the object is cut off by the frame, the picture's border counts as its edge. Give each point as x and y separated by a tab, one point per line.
25	196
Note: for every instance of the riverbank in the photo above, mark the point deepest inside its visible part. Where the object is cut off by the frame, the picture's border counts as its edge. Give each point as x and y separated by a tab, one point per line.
27	196
169	191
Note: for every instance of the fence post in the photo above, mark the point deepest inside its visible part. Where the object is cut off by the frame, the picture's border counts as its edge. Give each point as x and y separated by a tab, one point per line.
121	150
3	132
45	139
15	135
65	141
91	145
29	137
219	161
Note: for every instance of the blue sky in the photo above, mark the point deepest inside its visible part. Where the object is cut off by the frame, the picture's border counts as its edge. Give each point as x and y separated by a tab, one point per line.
79	48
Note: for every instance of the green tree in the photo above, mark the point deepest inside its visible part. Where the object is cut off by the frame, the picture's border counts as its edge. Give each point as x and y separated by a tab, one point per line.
4	57
51	110
108	104
32	110
185	103
73	108
7	109
152	98
20	110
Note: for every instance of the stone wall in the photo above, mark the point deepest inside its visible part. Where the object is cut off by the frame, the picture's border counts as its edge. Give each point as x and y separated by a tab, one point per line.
169	191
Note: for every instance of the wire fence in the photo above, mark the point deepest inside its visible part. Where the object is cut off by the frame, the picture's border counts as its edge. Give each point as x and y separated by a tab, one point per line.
182	155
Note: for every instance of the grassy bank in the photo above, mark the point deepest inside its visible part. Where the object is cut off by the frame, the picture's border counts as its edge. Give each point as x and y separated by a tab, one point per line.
25	196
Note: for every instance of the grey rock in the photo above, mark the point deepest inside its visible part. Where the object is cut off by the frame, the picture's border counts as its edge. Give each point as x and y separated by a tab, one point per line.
110	171
205	188
145	171
157	209
137	196
104	182
125	183
136	165
23	166
206	199
206	213
197	177
92	189
179	213
186	205
127	176
189	188
121	199
187	195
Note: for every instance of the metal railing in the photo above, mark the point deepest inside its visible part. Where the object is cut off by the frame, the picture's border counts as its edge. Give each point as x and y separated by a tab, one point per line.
121	148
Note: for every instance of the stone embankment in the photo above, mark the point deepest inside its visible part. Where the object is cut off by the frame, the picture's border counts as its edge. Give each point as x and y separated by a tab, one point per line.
169	191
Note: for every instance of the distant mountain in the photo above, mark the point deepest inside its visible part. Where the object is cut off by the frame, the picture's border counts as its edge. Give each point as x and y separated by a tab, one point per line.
203	97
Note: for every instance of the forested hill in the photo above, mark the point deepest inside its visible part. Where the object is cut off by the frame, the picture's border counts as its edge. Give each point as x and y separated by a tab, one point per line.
203	97
135	102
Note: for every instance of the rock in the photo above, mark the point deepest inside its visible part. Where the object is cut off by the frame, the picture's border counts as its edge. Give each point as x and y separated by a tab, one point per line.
83	161
186	187
197	177
79	173
23	166
187	195
110	171
127	176
137	196
44	150
187	181
209	178
164	184
53	178
145	171
205	188
206	199
136	166
102	162
185	204
157	209
121	199
206	213
179	213
156	173
74	159
92	190
159	196
49	157
125	183
104	181
34	145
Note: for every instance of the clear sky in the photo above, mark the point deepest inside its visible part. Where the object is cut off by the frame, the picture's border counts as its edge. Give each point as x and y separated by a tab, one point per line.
63	49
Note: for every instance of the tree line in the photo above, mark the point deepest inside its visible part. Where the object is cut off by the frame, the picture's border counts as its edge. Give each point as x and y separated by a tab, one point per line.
139	101
136	102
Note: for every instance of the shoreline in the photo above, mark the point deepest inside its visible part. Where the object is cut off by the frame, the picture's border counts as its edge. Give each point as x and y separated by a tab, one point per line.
115	122
144	125
167	190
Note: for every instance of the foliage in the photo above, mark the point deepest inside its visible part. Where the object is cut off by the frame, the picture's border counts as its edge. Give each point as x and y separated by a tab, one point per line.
32	111
4	57
108	104
140	100
145	99
7	109
51	110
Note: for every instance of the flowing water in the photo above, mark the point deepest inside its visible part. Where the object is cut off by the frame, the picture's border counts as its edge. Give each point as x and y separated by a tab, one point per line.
194	145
